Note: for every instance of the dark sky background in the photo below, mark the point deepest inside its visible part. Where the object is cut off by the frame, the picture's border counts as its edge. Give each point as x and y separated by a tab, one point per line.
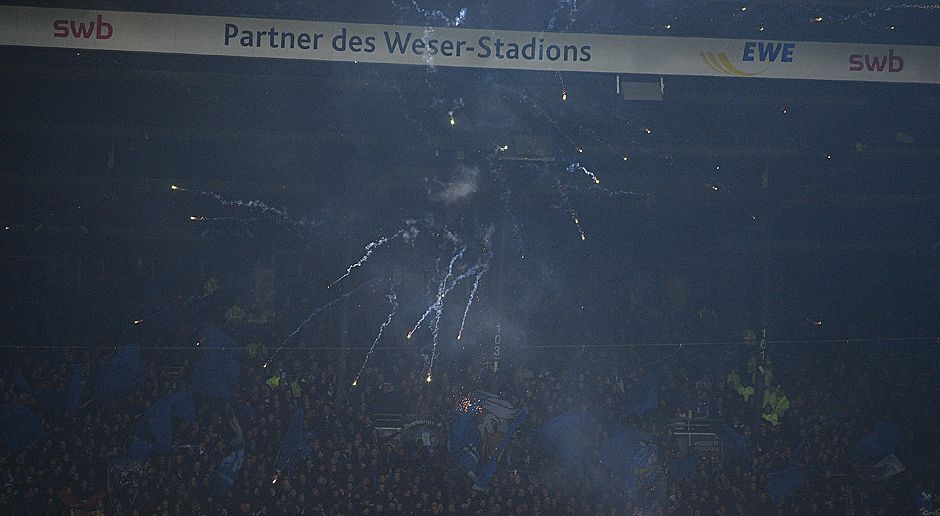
827	205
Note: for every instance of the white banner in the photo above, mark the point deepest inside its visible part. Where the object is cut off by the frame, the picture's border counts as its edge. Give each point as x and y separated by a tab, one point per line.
564	52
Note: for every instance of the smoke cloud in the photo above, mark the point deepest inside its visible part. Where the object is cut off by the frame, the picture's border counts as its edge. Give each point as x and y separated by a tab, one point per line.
463	185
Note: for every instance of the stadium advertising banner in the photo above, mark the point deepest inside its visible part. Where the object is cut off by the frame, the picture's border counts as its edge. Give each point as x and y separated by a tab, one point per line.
443	46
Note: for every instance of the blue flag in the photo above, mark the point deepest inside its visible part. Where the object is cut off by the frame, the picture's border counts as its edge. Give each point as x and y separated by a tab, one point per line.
216	374
74	395
120	374
19	428
294	445
632	453
789	481
482	432
157	421
644	398
566	436
880	442
227	472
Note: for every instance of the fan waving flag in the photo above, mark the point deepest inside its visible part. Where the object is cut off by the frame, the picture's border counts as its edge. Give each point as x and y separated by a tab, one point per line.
482	432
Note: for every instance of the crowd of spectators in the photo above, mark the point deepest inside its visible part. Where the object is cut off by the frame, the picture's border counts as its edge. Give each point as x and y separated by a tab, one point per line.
836	394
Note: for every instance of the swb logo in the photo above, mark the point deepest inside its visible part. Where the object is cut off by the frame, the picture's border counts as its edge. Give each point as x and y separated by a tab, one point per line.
97	28
875	63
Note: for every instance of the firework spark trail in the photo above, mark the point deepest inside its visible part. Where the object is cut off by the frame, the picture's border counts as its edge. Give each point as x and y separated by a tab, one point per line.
428	14
513	220
442	290
457	280
281	213
543	114
407	233
209	219
370	248
506	197
609	192
311	317
571	6
453	109
473	292
564	89
393	300
439	309
575	167
566	205
871	13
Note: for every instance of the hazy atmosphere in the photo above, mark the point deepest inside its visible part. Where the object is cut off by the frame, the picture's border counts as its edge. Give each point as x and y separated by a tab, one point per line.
238	282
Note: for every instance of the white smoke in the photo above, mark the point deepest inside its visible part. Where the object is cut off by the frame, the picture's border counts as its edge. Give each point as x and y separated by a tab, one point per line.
463	185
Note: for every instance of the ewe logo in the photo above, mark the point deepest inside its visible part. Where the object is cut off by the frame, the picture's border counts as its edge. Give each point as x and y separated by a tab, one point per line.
762	51
97	28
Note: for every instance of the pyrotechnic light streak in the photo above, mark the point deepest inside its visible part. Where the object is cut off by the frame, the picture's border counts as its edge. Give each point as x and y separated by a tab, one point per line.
439	307
310	318
872	13
281	213
260	205
542	113
408	233
437	13
209	219
393	300
507	206
370	248
457	280
574	167
566	204
571	6
609	192
473	293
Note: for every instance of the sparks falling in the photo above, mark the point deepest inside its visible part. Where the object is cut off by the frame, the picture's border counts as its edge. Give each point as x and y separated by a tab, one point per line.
280	214
475	269
393	300
208	219
370	248
566	205
576	167
607	191
473	293
309	318
439	308
407	233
